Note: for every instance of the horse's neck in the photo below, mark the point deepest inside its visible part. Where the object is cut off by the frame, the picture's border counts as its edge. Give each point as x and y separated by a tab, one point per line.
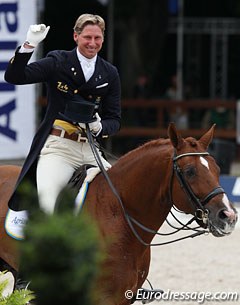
143	186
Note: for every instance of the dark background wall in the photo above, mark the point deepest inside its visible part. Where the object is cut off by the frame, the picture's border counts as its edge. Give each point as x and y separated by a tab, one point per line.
142	43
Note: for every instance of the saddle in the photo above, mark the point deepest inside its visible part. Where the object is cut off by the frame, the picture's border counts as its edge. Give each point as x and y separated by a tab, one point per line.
79	176
79	183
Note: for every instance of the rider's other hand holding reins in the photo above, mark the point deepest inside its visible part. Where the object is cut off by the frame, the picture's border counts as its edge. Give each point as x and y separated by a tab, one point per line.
95	127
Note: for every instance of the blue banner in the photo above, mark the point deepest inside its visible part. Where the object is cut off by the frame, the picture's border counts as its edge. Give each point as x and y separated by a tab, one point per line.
231	185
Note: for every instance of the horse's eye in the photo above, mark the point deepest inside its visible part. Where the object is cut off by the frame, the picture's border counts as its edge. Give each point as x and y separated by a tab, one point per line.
190	172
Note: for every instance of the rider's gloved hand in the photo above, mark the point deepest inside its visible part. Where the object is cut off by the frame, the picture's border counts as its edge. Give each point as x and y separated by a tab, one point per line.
95	127
36	33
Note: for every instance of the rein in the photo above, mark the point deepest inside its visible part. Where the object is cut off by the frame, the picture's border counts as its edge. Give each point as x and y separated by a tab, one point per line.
203	213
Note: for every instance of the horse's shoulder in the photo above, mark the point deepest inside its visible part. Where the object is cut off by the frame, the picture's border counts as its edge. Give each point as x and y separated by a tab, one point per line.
10	170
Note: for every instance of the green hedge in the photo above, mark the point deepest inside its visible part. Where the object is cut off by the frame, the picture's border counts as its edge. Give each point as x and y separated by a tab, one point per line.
61	256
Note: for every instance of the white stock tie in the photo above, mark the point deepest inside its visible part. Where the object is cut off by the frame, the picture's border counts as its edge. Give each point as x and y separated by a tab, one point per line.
88	70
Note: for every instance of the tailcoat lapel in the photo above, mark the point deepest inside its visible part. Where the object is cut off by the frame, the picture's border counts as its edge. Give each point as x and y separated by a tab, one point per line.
75	69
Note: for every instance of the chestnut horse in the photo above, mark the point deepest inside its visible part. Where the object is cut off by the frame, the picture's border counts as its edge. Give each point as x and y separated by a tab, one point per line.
145	184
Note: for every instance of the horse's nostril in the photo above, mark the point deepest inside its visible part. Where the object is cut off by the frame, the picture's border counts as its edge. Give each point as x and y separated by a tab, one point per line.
227	215
222	215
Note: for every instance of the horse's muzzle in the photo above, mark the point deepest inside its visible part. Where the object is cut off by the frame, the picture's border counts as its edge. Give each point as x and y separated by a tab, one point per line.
223	223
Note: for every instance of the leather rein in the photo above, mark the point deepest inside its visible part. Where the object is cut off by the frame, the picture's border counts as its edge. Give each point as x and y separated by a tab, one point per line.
200	212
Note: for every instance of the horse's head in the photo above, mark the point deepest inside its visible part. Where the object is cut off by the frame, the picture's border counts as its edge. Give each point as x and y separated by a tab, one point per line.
195	185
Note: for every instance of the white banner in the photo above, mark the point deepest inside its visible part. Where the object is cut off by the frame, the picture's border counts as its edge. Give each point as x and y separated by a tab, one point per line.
17	103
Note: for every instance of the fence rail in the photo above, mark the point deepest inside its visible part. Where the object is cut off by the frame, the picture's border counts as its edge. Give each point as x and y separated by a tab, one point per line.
162	105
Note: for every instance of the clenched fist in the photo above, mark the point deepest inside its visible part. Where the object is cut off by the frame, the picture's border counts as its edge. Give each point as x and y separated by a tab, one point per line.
95	127
36	33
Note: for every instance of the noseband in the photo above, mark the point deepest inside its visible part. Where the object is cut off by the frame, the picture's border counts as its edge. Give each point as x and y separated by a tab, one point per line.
201	213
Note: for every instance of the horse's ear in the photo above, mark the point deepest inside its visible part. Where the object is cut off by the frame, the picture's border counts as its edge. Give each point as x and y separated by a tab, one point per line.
206	139
175	136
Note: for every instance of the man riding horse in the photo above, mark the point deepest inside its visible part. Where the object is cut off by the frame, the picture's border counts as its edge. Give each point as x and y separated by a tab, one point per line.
81	88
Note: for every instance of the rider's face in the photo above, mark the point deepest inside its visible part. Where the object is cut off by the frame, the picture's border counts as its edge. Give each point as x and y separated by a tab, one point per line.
89	41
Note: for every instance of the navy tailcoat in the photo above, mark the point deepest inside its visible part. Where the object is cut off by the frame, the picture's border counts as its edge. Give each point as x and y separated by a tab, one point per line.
62	73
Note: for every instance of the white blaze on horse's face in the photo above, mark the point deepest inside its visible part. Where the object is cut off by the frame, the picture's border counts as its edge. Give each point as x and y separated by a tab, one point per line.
227	222
230	213
204	162
224	225
231	216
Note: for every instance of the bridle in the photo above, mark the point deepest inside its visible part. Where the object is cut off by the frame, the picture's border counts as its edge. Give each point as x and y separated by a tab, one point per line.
198	205
200	212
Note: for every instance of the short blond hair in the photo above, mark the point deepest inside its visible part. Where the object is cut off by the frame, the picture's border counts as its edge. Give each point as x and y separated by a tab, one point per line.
86	19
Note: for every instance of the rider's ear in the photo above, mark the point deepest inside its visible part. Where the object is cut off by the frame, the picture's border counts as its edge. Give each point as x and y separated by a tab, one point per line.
206	139
175	136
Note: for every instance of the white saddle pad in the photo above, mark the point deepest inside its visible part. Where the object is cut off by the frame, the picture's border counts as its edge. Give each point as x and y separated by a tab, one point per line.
15	222
79	201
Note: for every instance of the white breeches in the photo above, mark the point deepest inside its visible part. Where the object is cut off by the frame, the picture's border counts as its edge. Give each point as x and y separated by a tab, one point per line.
58	160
